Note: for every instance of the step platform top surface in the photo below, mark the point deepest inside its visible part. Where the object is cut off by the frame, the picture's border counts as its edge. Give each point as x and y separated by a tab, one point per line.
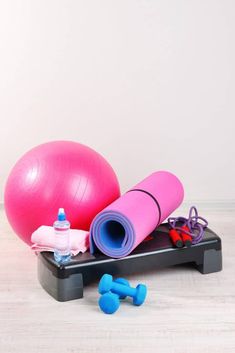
157	242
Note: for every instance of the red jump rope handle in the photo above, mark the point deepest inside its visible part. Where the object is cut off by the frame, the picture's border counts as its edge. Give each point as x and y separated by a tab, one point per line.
176	238
187	239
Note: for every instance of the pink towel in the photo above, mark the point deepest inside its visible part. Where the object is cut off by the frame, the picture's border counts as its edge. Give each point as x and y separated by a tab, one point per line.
43	239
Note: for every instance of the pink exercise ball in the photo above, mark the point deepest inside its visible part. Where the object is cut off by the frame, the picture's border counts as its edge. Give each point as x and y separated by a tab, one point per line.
58	174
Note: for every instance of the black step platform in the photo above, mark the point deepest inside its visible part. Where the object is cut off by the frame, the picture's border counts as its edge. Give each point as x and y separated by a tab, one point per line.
66	282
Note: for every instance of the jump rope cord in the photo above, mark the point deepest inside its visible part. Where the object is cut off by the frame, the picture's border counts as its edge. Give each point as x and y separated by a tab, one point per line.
196	228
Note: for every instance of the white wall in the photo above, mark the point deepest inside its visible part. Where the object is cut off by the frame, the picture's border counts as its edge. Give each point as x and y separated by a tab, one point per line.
149	84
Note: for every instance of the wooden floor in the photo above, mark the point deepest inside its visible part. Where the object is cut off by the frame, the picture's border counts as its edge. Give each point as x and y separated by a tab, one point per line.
185	311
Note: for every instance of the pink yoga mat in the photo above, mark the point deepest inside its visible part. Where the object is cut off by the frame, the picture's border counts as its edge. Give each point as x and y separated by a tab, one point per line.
126	222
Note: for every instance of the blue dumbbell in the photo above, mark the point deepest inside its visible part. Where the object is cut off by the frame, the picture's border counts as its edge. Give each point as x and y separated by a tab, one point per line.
138	294
124	282
110	302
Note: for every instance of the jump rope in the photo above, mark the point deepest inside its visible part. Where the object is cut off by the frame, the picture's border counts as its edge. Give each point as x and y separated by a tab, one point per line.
187	231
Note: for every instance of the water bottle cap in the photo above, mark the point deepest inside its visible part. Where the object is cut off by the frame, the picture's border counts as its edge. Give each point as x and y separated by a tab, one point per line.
61	215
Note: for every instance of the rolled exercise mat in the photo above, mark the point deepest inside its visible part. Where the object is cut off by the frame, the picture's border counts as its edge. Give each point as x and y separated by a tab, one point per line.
125	223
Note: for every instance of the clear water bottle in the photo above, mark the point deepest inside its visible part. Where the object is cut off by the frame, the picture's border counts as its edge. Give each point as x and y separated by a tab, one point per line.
62	252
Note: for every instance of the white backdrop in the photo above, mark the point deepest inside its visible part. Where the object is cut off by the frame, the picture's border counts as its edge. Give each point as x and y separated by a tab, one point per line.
149	84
